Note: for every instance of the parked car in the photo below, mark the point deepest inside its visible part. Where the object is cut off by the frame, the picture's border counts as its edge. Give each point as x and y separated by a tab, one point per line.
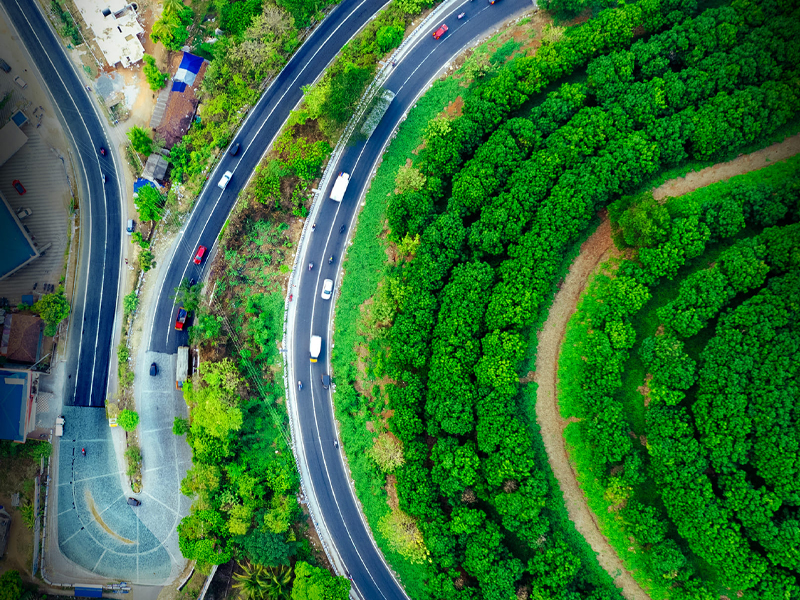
234	149
153	370
440	32
19	187
181	320
134	502
24	212
327	289
326	380
201	252
4	66
130	227
223	183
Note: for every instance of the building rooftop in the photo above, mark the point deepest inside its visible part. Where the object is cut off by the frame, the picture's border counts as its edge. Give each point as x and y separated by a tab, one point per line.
11	140
17	395
155	169
18	248
21	339
116	29
182	103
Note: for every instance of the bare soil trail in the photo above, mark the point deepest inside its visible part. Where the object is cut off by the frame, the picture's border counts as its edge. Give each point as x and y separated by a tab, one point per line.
596	250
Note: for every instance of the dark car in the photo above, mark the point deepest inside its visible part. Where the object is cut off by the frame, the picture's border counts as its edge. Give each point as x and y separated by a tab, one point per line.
134	502
234	150
19	187
326	381
153	370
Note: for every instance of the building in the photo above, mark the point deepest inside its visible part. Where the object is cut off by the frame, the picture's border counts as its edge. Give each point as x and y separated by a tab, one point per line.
177	109
11	138
155	169
18	247
18	391
116	29
21	338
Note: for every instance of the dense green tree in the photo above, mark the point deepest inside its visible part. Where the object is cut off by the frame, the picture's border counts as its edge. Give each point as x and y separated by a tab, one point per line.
140	140
314	583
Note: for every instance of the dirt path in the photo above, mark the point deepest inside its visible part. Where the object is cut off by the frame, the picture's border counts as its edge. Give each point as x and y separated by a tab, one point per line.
719	172
597	249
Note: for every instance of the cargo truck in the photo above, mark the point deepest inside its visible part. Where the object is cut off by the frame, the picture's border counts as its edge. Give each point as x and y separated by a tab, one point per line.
340	187
182	367
316	346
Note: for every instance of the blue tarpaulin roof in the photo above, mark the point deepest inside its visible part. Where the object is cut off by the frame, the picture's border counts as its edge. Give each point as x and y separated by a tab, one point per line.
89	591
140	183
178	86
188	70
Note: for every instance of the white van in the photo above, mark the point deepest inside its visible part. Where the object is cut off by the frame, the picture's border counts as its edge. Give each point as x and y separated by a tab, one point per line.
223	183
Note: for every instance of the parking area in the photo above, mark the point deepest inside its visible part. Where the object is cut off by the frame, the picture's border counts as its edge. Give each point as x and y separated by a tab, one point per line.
97	529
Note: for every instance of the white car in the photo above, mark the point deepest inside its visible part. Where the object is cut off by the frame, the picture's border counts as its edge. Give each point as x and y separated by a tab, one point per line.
327	289
223	183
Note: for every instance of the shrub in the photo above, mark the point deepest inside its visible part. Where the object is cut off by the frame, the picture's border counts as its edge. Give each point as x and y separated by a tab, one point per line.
128	419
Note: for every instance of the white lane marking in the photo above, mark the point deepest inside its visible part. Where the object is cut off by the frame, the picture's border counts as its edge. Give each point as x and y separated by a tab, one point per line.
333	492
105	202
233	172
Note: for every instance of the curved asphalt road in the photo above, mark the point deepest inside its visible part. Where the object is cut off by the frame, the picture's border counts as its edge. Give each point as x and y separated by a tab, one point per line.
328	474
95	298
259	130
372	579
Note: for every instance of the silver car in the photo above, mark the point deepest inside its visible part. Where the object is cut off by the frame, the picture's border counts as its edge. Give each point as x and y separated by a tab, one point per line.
327	289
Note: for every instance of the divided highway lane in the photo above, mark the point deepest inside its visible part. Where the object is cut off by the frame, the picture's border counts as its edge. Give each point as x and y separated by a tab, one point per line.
329	476
260	128
94	302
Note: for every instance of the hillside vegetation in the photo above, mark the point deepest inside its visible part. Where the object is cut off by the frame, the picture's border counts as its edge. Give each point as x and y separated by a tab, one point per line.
482	223
686	391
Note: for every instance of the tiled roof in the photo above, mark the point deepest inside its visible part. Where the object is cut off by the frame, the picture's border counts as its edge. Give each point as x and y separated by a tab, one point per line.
24	335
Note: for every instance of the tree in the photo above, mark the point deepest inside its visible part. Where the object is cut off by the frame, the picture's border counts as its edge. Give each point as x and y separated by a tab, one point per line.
146	260
404	536
315	583
52	308
389	36
10	586
387	452
150	203
252	582
155	78
188	295
409	179
130	302
267	548
128	419
140	140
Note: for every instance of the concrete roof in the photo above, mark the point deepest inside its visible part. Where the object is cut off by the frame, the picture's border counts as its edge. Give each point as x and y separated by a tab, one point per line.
11	140
14	395
115	29
155	169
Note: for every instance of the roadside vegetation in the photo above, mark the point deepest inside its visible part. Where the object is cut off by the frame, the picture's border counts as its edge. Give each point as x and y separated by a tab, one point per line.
431	346
662	360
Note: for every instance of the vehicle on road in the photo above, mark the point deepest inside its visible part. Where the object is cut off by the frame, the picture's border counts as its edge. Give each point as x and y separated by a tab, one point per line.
181	367
234	150
299	385
60	426
340	187
180	321
83	451
226	178
326	380
440	32
343	228
330	260
327	289
153	370
130	227
102	151
104	178
316	346
310	266
461	15
201	252
24	212
19	187
134	502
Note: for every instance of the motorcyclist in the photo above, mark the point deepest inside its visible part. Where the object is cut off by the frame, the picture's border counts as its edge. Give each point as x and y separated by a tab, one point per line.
310	266
299	385
83	451
313	226
342	229
330	260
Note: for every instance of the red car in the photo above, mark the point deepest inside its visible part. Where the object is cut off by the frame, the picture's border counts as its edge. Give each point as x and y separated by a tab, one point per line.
439	32
18	186
201	252
181	320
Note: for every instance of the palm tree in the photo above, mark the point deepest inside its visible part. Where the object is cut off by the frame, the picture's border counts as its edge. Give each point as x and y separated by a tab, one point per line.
173	7
280	587
252	582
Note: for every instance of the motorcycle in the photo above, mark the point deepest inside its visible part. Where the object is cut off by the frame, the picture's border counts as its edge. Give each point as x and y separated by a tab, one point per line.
342	229
299	385
313	226
461	16
330	260
83	451
310	266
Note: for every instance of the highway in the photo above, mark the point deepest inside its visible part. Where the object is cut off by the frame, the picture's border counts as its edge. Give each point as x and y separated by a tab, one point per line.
94	303
257	133
329	476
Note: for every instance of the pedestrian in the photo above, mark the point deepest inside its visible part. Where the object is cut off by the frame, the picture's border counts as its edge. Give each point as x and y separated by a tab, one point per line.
126	261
